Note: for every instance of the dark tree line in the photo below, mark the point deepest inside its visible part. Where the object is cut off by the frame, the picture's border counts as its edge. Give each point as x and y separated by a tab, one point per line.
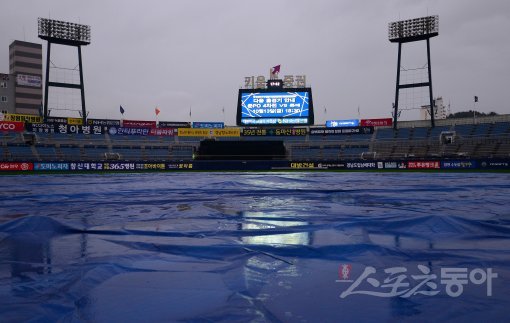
470	114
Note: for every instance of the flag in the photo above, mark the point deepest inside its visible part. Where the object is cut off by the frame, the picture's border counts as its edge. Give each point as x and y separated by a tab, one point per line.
121	110
476	98
190	112
275	70
157	110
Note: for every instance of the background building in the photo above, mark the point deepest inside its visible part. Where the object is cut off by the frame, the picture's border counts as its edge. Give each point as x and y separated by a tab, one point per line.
7	93
25	64
440	110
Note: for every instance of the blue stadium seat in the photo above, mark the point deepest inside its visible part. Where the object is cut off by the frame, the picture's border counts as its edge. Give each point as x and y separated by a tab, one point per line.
385	133
71	153
47	153
420	133
156	153
21	153
501	128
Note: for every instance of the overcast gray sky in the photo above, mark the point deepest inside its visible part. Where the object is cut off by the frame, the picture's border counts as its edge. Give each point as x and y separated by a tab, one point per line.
180	53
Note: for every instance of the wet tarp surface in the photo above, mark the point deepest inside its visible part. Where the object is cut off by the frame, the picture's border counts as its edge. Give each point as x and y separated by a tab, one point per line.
291	247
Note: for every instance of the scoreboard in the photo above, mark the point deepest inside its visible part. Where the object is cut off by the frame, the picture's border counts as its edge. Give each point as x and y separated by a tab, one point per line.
275	106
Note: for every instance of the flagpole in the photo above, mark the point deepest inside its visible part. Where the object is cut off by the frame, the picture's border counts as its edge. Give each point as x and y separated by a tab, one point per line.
474	112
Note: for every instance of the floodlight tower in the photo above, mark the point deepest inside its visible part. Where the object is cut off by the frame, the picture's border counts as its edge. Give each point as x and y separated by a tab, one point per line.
69	34
412	30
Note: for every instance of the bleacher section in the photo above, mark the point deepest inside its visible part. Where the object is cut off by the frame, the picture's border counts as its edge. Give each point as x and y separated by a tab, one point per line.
473	140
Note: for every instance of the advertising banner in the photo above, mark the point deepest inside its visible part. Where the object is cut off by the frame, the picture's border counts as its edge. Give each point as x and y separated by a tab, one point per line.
23	118
385	122
51	166
342	131
208	125
162	132
12	126
458	164
173	124
129	131
119	166
86	166
75	121
189	132
495	164
138	124
9	167
182	166
227	132
342	123
56	120
103	122
150	166
423	164
28	80
115	166
329	165
275	132
393	165
362	165
303	165
62	128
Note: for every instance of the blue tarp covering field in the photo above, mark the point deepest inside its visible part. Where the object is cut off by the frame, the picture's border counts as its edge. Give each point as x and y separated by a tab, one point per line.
290	247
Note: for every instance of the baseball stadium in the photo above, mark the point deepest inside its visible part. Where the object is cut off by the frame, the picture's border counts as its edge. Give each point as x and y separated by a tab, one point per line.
275	218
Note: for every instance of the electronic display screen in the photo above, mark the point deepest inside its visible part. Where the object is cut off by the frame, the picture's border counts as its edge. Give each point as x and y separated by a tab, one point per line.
260	107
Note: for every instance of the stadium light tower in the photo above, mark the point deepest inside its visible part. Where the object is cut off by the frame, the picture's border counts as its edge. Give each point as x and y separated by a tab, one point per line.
412	30
69	34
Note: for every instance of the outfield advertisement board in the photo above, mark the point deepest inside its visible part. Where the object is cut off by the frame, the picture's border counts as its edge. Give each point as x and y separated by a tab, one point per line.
138	124
23	118
173	124
225	132
459	164
342	131
103	122
51	166
129	131
494	164
187	165
208	125
16	166
247	132
342	123
422	164
12	126
384	122
63	128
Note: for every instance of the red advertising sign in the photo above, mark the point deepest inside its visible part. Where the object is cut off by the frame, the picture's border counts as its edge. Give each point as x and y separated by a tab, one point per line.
138	124
16	167
423	164
386	122
12	126
162	132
